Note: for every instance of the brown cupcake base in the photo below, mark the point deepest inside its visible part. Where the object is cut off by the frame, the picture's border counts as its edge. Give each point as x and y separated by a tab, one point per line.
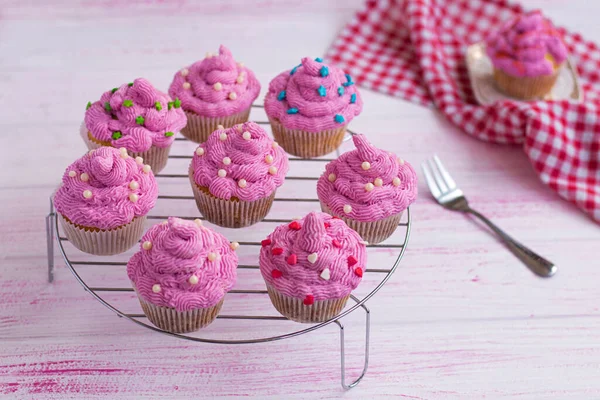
525	88
307	144
296	310
199	128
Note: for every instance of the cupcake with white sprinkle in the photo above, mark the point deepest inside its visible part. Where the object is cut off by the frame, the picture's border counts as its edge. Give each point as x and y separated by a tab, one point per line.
235	174
214	91
369	189
311	266
104	199
137	117
310	106
181	274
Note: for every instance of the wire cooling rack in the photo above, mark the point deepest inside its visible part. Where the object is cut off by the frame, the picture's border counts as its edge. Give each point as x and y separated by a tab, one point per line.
76	261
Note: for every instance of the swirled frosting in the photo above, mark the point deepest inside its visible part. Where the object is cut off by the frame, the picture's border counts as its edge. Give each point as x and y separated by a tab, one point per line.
367	184
313	97
216	86
135	116
241	161
315	258
183	265
527	46
106	189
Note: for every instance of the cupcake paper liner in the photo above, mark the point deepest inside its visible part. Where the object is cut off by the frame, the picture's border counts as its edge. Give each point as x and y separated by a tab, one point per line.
156	157
199	128
307	144
104	242
525	88
170	320
373	231
296	310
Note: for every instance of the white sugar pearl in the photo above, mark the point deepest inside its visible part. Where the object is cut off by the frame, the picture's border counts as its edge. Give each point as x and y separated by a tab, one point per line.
240	78
164	222
212	256
209	55
369	186
72	174
147	169
186	85
222	173
400	161
200	151
234	245
156	288
239	127
332	177
366	165
242	183
378	182
147	245
227	161
198	222
347	208
396	181
185	72
91	152
240	64
87	194
193	280
272	170
246	135
275	145
139	160
123	152
218	86
268	159
133	185
220	127
133	197
223	136
232	96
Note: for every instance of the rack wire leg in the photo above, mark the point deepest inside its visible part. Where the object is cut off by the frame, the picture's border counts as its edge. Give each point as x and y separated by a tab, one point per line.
343	351
50	242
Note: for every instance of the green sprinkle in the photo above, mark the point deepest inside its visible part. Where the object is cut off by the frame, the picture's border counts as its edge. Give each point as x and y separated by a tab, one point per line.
116	135
128	103
139	120
158	106
114	90
177	103
169	134
169	105
130	84
107	106
89	104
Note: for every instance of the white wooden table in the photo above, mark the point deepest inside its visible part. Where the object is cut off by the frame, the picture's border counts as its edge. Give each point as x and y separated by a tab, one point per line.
460	319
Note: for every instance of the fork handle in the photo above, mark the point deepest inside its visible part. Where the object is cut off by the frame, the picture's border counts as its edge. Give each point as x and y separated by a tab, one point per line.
536	263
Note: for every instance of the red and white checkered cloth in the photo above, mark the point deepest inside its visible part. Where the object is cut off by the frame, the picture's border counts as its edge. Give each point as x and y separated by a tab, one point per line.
415	49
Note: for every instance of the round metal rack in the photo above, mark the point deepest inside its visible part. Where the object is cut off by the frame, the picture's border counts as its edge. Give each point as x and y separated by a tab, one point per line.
100	293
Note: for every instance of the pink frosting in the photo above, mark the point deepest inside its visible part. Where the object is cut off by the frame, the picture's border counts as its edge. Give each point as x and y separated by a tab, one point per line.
108	176
179	250
337	247
135	116
203	98
521	47
248	161
349	185
313	97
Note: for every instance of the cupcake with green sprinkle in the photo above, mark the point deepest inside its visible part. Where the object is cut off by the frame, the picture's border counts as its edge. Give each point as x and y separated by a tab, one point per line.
310	106
137	117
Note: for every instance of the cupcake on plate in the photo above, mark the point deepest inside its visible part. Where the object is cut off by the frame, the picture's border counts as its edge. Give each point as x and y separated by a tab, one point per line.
310	106
137	117
235	174
311	266
369	189
181	274
527	54
103	201
214	91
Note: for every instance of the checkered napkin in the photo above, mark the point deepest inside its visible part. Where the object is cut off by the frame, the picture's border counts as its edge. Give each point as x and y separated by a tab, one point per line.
415	49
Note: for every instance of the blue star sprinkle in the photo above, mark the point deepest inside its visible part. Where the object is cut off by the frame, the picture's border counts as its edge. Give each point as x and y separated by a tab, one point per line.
322	91
341	90
292	110
281	95
353	98
339	118
324	71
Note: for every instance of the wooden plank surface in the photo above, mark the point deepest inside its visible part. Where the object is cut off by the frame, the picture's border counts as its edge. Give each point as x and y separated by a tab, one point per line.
460	319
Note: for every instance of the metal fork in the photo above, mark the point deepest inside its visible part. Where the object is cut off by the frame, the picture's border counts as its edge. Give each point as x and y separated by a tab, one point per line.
447	194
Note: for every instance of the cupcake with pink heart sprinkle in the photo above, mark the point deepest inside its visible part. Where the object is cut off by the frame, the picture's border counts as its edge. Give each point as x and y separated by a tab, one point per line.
137	117
214	91
235	174
369	189
311	266
310	106
104	199
181	274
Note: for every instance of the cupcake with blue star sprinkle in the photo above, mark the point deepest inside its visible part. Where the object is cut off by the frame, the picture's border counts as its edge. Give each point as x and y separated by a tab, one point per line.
310	106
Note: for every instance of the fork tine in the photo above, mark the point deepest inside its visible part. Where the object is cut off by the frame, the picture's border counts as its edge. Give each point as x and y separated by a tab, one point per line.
433	188
444	172
437	176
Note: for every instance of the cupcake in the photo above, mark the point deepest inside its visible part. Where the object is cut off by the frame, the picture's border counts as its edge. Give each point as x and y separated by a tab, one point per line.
137	117
310	106
527	53
311	265
103	201
214	91
369	189
181	274
235	174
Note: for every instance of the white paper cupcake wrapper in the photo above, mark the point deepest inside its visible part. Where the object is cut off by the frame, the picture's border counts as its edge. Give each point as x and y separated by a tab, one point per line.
373	232
307	144
199	128
104	242
296	310
156	157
